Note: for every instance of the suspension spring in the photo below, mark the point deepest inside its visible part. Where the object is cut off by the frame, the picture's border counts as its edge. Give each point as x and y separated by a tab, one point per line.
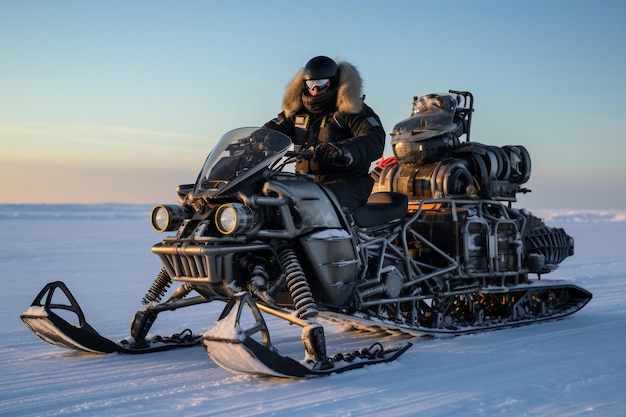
158	288
375	290
298	286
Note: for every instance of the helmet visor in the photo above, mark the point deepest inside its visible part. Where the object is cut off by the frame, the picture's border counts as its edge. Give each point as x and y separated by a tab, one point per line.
319	84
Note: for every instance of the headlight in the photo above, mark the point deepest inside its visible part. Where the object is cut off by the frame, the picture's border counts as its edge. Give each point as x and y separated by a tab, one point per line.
234	218
168	218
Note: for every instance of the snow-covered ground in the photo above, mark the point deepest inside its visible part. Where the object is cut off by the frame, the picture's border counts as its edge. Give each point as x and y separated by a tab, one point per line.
571	367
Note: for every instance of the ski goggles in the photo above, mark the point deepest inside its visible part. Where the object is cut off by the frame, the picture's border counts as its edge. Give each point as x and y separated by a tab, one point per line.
319	84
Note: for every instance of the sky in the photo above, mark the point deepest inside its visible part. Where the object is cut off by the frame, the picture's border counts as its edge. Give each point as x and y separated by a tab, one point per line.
121	101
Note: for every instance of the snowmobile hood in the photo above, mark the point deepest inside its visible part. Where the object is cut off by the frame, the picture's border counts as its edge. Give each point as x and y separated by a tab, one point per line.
238	155
432	115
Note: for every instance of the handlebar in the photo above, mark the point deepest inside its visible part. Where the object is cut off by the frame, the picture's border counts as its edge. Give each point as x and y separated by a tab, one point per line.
305	154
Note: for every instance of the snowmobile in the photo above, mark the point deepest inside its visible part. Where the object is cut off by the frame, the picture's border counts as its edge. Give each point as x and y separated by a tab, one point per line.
437	250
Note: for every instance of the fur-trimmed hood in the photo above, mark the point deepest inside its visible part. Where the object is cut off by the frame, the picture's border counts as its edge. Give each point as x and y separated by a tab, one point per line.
349	93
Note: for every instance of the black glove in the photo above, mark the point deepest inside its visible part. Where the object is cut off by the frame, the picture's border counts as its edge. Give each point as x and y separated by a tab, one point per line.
332	154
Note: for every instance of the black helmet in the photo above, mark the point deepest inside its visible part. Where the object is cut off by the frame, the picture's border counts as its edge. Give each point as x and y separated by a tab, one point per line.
319	68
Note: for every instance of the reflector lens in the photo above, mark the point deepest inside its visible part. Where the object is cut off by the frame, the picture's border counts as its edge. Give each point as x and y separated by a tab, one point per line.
166	218
234	218
160	219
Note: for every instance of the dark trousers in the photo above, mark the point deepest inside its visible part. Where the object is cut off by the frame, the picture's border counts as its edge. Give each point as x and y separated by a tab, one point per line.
351	192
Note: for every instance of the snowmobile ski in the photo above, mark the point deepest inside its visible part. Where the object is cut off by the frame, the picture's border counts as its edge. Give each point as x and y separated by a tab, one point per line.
56	330
233	346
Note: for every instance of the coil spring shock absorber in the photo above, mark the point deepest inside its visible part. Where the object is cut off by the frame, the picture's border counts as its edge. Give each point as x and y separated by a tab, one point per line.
158	288
297	284
143	319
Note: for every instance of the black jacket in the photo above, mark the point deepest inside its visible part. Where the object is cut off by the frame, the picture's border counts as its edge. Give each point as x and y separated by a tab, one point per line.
350	122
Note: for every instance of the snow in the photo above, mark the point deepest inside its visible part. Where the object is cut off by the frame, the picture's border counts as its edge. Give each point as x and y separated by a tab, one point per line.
571	367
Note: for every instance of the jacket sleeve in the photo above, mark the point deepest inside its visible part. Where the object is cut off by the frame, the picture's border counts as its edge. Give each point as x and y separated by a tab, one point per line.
368	137
282	124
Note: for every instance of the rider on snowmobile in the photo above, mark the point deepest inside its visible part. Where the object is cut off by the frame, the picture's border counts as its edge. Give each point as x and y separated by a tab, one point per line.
323	111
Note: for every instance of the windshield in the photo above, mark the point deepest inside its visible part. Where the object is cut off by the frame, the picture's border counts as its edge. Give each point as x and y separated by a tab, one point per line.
238	155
